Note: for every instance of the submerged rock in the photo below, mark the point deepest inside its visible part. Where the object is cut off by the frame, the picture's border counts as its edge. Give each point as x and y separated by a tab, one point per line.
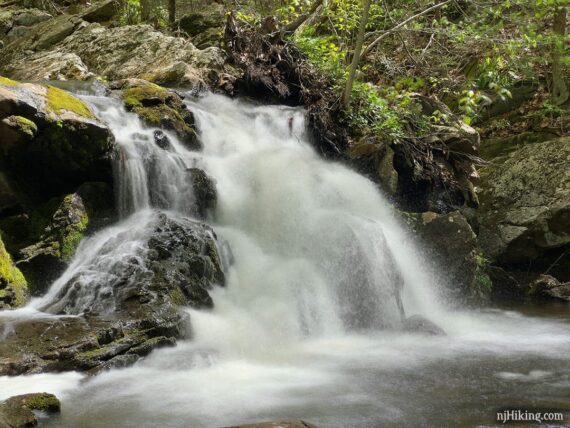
277	424
18	411
130	302
419	324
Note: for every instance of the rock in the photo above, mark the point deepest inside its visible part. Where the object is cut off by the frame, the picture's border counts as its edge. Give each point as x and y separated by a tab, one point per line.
277	424
51	141
128	312
17	130
13	285
450	241
376	161
525	205
46	260
505	286
161	140
204	27
69	219
15	22
205	193
549	287
30	17
419	324
110	53
18	411
101	11
159	107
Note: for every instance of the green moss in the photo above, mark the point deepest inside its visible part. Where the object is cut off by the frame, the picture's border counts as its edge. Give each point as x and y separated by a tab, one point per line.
7	82
59	100
12	279
26	125
177	297
44	402
133	97
71	240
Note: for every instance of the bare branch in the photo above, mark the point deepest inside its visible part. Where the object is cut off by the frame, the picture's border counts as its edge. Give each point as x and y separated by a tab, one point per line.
401	24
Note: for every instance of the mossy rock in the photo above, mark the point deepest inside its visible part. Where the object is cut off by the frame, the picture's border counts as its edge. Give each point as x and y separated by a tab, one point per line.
46	259
60	101
51	141
13	285
159	107
7	82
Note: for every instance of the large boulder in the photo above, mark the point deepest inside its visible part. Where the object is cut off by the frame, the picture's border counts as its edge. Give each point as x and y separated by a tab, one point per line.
205	27
50	140
450	241
525	207
130	302
16	22
68	47
13	286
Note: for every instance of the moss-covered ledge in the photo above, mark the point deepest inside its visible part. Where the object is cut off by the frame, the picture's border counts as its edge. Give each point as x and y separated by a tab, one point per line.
159	107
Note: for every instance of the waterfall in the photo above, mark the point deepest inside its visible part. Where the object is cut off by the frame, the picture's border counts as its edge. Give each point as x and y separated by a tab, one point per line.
307	323
312	240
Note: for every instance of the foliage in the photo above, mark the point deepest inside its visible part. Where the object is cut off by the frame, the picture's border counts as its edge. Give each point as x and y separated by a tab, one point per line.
468	53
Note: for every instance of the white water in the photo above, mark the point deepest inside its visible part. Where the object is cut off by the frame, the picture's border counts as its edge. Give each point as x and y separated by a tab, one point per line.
303	326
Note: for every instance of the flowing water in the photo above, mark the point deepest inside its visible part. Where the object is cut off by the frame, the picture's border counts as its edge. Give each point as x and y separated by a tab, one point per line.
307	324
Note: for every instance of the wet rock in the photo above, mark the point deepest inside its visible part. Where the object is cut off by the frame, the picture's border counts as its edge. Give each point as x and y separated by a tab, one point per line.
54	143
525	206
44	261
376	160
450	241
159	107
205	193
129	311
278	424
419	324
549	287
13	285
161	140
18	411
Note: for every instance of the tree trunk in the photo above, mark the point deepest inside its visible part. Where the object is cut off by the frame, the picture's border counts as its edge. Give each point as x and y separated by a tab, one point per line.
356	55
171	11
560	93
